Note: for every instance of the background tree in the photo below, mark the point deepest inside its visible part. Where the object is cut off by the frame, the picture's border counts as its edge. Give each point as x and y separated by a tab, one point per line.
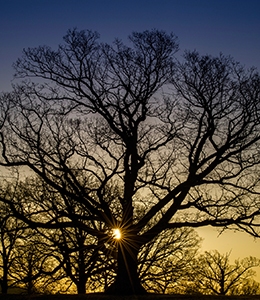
247	287
81	259
215	275
11	234
74	251
34	266
179	138
166	262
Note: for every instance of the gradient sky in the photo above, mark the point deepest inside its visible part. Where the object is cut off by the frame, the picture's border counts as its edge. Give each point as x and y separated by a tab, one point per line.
209	26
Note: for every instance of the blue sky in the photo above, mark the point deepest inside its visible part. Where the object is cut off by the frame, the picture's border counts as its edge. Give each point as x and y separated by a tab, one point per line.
209	26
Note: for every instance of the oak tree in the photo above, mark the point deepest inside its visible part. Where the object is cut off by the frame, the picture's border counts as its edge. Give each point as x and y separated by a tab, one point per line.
178	138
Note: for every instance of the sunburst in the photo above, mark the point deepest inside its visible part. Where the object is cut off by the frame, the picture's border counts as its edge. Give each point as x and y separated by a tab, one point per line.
116	233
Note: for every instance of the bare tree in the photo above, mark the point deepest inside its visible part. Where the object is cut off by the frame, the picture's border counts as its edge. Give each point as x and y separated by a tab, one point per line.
74	251
247	287
32	265
11	234
166	262
214	274
181	139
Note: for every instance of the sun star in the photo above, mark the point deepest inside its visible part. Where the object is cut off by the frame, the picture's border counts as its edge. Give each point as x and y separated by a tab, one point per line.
117	234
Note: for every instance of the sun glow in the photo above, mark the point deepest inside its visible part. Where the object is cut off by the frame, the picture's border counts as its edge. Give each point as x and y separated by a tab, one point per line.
117	234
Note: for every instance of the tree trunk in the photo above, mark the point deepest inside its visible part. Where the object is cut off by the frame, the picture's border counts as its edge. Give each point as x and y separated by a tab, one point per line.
81	283
127	280
4	281
29	277
82	277
4	286
81	286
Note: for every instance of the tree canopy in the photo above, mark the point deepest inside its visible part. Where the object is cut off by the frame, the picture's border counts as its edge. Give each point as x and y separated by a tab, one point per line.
128	136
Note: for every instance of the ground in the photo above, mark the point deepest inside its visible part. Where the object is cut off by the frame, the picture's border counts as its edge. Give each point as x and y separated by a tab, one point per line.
103	297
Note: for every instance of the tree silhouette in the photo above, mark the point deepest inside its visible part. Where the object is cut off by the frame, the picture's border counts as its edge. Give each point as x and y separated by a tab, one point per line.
165	263
214	274
33	264
178	138
75	253
11	233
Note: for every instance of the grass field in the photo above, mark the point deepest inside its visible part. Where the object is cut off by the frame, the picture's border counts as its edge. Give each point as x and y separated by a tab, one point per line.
105	297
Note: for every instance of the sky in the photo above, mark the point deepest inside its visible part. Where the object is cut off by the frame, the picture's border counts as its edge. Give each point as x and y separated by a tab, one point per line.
231	27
